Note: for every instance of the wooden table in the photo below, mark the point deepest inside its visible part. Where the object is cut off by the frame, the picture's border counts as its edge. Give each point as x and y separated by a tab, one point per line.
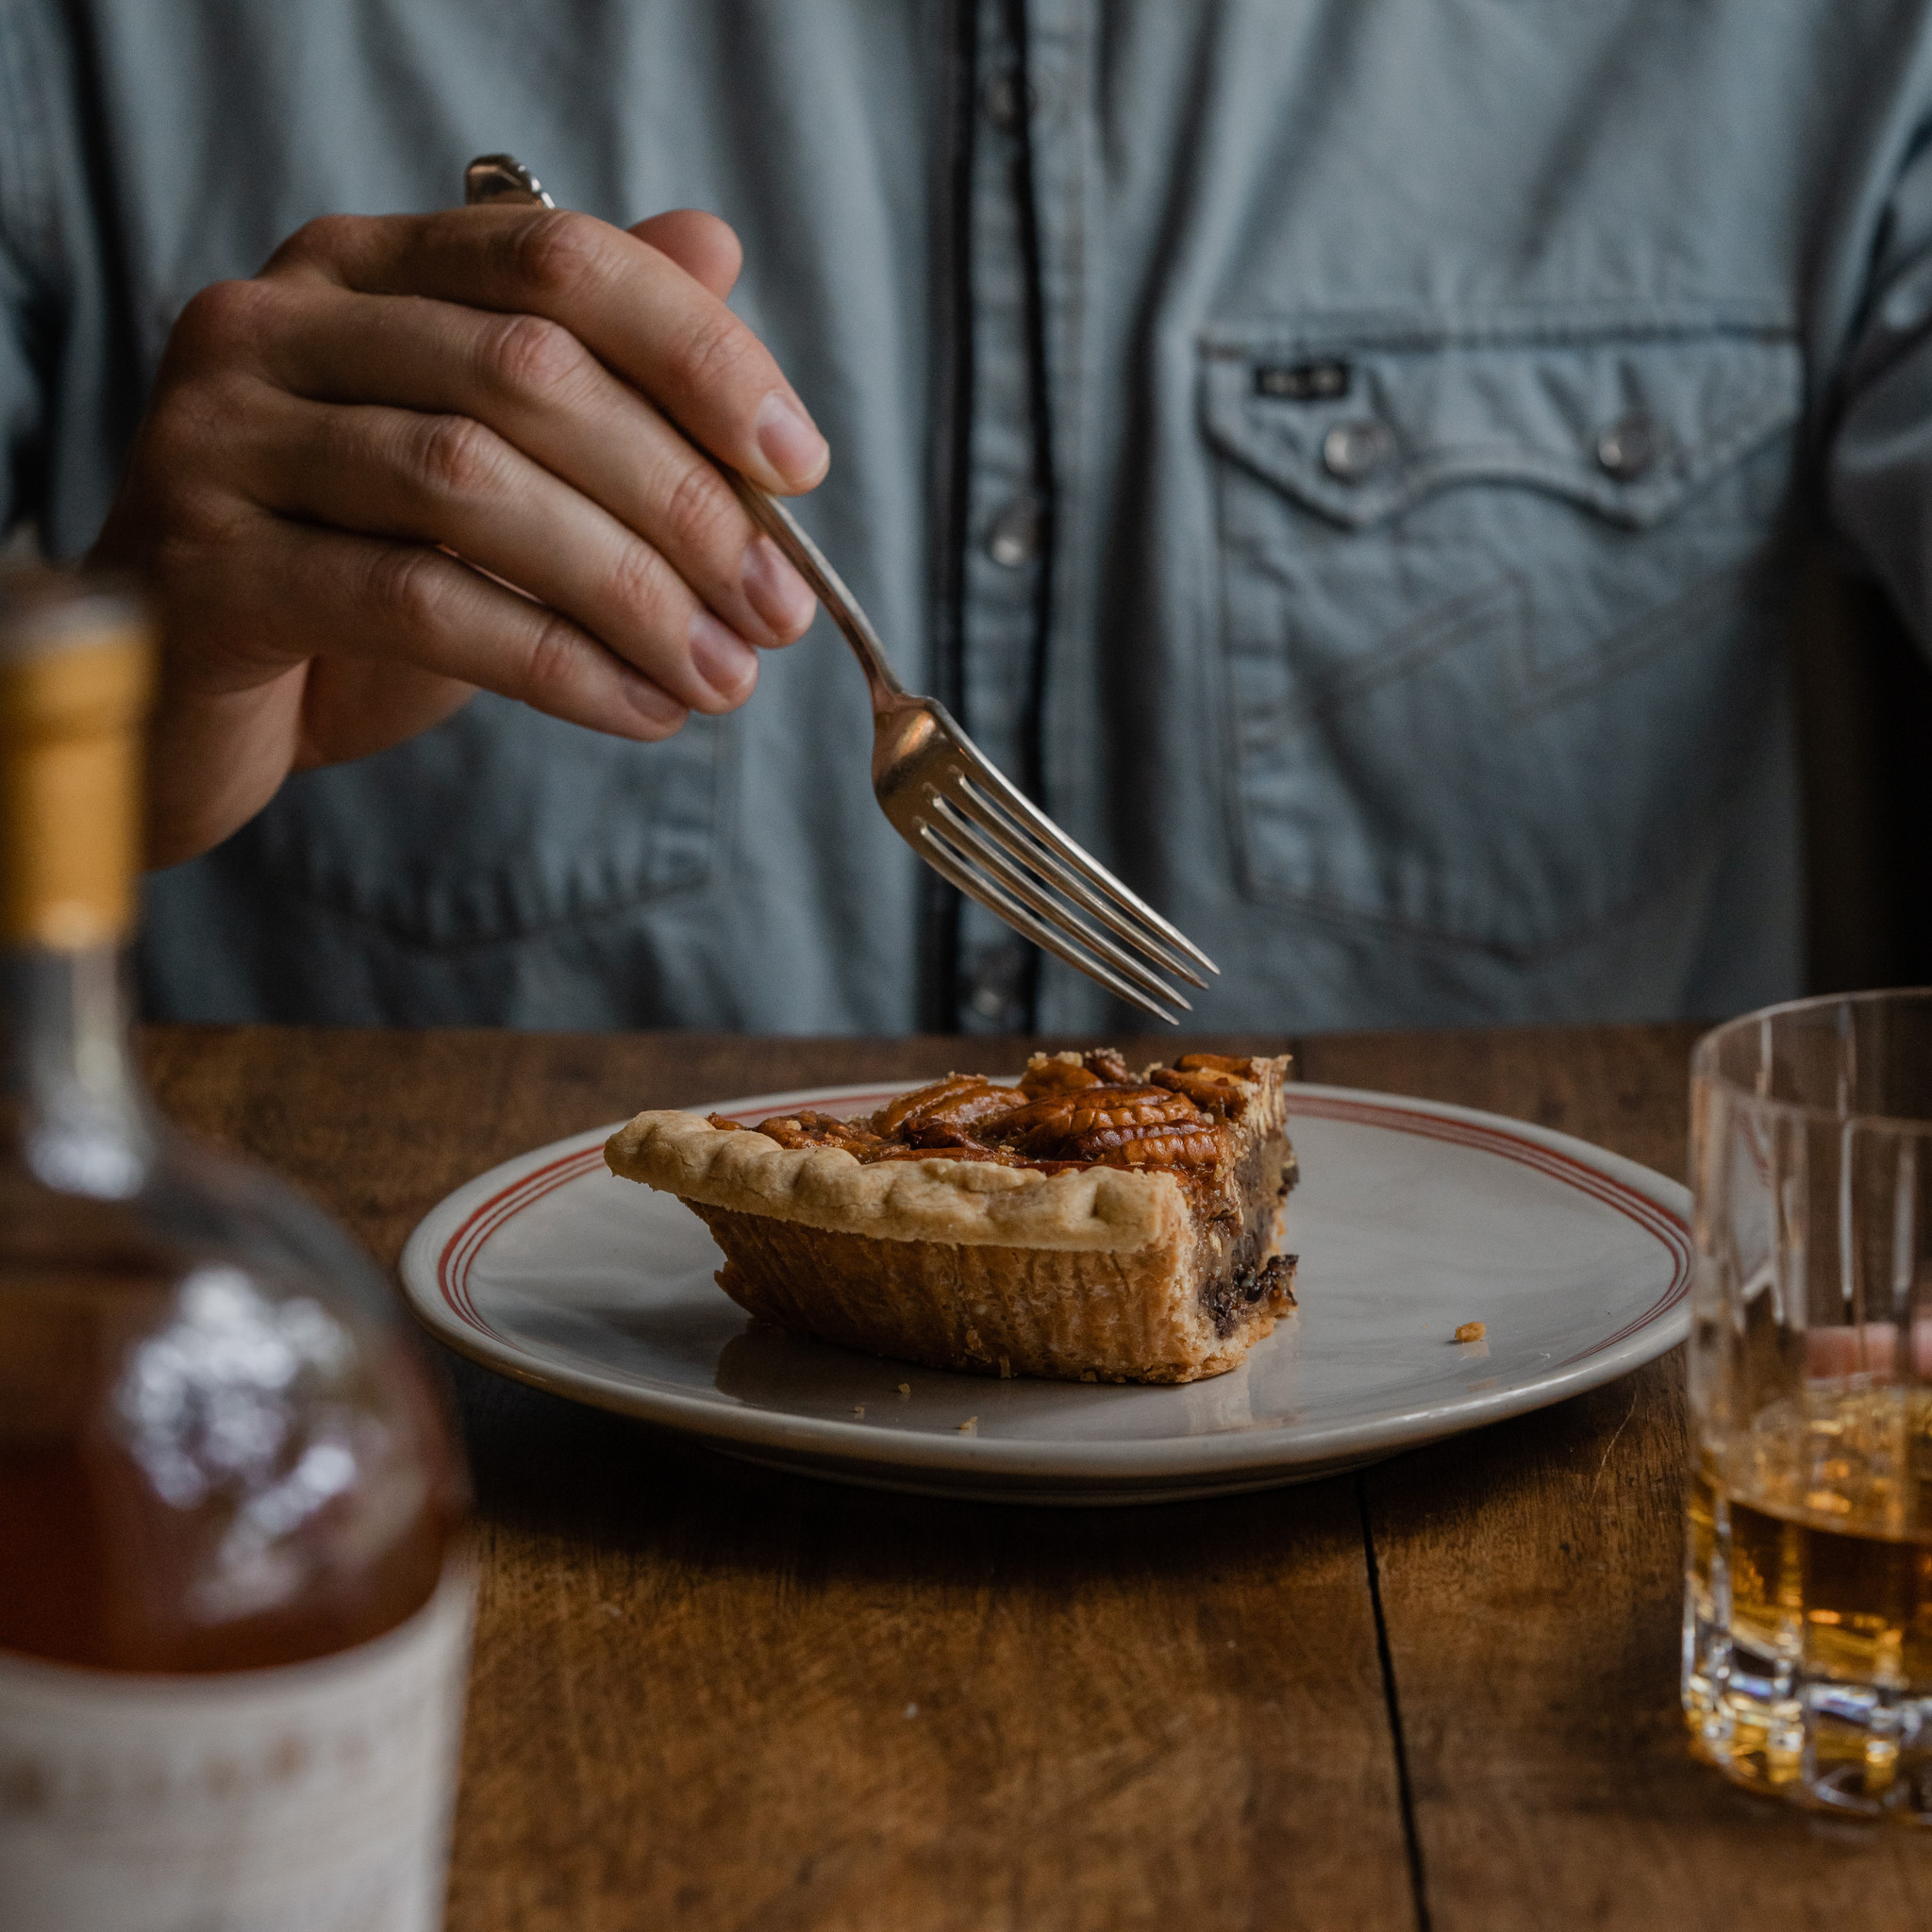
1439	1693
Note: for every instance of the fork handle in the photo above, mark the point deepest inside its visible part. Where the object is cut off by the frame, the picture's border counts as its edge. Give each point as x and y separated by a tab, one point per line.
503	178
828	586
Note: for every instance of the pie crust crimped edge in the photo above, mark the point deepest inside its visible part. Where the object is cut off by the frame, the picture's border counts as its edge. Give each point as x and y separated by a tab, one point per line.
1094	1209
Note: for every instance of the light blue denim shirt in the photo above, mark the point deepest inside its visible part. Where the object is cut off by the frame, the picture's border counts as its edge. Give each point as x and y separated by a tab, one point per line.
1344	454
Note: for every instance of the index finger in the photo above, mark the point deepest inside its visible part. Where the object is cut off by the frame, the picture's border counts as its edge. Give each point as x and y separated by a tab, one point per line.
630	303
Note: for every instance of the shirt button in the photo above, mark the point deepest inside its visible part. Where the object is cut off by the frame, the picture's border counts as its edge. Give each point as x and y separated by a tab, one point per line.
1007	99
1352	452
989	1002
1629	446
1014	538
994	990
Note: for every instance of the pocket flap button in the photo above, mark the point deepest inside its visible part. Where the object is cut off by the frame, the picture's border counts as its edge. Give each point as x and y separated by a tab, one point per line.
1629	447
1352	452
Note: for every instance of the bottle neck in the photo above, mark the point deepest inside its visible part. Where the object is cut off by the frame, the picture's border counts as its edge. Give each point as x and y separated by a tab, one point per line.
79	1118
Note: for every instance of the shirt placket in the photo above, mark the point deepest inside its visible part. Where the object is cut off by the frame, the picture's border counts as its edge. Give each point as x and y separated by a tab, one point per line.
1070	716
1003	525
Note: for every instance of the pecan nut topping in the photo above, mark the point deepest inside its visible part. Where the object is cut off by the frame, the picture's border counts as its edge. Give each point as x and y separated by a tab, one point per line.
1069	1111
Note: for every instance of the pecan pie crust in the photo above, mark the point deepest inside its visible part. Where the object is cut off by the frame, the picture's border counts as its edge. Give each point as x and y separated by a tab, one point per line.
1090	1224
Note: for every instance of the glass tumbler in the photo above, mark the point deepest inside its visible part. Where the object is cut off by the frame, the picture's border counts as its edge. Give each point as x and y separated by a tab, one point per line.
1807	1604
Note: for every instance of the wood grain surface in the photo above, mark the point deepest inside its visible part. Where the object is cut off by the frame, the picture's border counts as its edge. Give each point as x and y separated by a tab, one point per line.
1439	1693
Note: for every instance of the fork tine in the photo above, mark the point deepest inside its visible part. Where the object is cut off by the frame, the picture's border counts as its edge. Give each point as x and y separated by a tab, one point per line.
1033	856
1015	803
1050	939
1025	887
997	900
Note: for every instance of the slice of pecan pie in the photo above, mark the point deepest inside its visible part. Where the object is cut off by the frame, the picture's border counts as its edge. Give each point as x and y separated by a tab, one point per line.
1090	1224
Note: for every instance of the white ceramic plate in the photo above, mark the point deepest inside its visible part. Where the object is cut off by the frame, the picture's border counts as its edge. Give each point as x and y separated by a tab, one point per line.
1411	1219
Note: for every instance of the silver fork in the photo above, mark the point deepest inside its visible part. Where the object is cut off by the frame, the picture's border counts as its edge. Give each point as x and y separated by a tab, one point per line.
944	795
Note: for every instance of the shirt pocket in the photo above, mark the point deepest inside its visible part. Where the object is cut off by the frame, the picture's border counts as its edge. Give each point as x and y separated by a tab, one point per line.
1498	603
500	823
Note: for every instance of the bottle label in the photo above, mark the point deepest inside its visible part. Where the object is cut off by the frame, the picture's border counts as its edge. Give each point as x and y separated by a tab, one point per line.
315	1797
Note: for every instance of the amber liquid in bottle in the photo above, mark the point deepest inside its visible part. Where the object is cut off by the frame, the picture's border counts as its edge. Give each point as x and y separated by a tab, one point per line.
163	1510
233	1587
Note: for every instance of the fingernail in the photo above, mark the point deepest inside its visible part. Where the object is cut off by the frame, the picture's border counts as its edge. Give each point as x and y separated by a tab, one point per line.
658	709
722	657
791	440
776	592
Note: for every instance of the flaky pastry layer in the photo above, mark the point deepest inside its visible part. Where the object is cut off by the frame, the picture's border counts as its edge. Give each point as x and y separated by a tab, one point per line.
1094	1209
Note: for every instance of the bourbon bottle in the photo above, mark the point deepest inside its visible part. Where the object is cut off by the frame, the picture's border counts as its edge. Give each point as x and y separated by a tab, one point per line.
234	1592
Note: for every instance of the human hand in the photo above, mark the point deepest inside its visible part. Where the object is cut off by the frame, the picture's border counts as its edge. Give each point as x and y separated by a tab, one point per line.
522	387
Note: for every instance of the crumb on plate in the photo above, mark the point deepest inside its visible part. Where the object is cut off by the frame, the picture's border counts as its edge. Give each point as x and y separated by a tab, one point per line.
1471	1331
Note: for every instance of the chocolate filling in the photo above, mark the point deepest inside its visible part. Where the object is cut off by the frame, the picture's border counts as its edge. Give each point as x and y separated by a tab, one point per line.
1252	1279
1234	1299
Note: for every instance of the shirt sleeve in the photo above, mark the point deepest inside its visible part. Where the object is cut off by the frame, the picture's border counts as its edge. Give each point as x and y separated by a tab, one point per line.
1879	465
